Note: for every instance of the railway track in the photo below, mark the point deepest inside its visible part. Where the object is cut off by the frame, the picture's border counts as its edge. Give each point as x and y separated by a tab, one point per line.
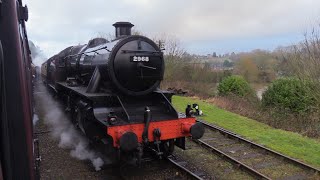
171	168
257	160
184	166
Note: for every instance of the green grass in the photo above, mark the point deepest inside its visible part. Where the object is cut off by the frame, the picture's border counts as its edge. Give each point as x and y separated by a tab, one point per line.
289	143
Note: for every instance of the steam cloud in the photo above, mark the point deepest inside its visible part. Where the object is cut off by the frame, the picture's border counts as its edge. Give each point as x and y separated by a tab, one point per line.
37	55
64	131
68	136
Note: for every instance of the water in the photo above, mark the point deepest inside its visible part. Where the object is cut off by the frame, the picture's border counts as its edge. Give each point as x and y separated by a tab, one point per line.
260	91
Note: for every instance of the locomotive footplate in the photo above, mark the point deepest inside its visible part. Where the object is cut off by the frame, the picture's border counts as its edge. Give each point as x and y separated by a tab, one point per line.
81	91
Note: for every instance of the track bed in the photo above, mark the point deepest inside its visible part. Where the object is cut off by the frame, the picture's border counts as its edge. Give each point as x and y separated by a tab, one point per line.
253	158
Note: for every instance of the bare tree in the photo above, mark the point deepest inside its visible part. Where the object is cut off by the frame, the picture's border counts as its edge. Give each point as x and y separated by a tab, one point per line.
137	32
172	45
303	60
107	36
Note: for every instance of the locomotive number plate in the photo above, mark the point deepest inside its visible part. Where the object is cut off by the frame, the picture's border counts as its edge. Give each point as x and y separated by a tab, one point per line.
139	59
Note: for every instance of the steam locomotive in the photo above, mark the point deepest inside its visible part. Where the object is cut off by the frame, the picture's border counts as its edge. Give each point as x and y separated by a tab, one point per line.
111	89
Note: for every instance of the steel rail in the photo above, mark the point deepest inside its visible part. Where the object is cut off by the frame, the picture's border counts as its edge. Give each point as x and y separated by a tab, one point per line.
184	169
238	164
258	146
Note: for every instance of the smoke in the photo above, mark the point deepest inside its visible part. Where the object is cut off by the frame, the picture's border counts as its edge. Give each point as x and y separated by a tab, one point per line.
39	60
37	55
64	131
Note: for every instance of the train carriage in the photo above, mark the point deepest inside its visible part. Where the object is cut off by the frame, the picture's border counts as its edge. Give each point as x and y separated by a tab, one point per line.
16	130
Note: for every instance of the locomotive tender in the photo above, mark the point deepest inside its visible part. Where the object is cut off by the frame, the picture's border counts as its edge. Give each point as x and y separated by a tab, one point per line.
111	89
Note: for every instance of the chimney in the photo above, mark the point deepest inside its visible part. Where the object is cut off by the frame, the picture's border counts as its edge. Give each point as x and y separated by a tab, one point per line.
123	28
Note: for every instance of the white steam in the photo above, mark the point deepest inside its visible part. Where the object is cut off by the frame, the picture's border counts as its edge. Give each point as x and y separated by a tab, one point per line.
37	55
35	119
64	131
39	60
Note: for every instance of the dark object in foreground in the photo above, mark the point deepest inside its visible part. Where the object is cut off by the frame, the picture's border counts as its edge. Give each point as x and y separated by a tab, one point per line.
111	90
16	138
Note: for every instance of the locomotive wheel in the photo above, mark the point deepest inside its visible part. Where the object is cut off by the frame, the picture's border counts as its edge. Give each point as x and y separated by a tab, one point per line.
167	147
86	126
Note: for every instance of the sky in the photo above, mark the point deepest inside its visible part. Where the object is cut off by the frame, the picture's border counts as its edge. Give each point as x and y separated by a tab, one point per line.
202	26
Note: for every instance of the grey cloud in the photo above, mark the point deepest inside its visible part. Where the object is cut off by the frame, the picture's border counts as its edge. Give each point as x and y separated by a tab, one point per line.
56	24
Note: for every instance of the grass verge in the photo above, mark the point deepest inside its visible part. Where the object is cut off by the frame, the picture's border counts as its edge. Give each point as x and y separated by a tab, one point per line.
289	143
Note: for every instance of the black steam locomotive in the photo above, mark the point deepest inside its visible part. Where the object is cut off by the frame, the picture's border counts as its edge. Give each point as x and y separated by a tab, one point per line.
111	89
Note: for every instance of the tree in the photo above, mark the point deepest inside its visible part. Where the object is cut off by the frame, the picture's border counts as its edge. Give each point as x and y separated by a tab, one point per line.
136	32
289	94
303	60
172	45
214	54
235	85
227	63
247	68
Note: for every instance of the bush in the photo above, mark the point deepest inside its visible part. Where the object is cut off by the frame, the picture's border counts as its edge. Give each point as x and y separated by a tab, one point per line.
235	85
289	95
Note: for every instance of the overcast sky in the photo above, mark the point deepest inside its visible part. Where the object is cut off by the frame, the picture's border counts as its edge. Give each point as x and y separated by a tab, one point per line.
203	26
